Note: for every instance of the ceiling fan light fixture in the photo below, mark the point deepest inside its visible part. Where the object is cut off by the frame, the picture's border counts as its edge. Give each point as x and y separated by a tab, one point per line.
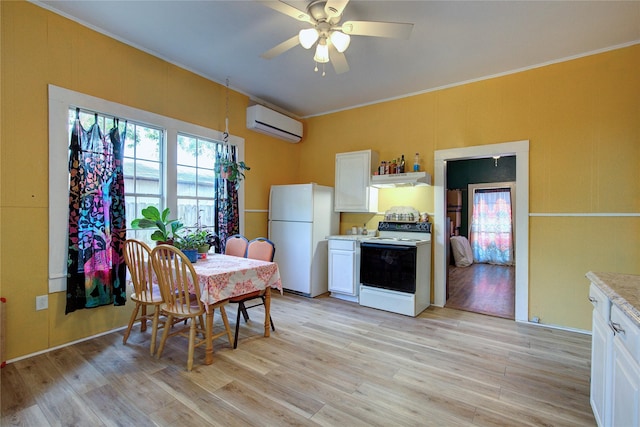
340	40
322	52
308	37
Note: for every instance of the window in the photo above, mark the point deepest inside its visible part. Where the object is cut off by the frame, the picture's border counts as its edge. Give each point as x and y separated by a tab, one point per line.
143	180
155	163
196	180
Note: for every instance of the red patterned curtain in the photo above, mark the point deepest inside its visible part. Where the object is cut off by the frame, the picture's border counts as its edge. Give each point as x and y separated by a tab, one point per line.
491	235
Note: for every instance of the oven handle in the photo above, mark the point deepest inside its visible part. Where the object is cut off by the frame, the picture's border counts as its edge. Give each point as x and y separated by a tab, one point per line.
385	246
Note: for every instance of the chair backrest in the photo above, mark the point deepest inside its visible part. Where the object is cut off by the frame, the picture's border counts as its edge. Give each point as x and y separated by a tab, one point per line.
236	245
262	249
175	273
137	256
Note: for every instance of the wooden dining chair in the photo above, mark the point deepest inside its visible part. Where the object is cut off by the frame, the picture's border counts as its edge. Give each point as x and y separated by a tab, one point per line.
175	272
262	249
236	246
137	256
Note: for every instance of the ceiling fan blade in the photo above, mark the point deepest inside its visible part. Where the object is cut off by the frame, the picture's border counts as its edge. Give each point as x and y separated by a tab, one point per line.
394	30
288	10
334	8
338	60
281	48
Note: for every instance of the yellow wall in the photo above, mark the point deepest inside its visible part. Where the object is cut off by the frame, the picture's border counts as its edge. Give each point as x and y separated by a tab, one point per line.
581	117
40	48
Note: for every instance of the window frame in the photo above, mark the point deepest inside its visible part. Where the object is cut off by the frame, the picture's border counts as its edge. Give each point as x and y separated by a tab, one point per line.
60	101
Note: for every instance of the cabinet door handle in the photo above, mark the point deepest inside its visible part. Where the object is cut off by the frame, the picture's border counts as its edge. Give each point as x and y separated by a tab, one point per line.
593	300
617	329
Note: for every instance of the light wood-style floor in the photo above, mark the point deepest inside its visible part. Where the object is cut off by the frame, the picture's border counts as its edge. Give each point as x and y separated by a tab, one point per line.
483	288
330	362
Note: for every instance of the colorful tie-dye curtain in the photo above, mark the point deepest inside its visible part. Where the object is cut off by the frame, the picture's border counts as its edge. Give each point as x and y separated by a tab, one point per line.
227	209
96	272
491	235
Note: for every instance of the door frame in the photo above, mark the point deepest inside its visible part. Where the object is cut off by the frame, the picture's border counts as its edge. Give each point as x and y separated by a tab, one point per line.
520	149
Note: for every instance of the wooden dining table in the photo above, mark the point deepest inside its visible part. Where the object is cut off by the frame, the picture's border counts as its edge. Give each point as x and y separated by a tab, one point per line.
224	276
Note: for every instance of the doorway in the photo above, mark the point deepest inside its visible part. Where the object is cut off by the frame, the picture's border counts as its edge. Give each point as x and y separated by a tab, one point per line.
481	212
519	149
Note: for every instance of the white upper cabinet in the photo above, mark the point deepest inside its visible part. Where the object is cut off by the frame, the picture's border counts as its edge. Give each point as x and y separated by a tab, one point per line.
353	191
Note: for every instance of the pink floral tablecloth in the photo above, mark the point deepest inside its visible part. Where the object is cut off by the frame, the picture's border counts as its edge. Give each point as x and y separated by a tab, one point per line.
223	276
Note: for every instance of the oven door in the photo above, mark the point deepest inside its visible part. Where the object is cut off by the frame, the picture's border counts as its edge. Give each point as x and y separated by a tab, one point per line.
388	266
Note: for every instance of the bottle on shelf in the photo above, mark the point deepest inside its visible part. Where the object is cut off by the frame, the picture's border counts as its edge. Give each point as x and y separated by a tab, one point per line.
393	167
386	168
381	168
416	163
401	165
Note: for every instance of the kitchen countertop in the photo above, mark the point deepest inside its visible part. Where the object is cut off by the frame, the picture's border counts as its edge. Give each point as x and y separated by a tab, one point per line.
349	237
622	289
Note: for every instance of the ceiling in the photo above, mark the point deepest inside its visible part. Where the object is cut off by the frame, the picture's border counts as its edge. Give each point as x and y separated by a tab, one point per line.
451	42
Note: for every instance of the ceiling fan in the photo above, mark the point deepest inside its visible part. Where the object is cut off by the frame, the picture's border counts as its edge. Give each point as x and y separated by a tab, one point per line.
332	37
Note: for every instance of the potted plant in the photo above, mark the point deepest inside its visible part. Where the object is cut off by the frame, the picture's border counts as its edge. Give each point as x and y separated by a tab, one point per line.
189	244
152	218
231	170
207	239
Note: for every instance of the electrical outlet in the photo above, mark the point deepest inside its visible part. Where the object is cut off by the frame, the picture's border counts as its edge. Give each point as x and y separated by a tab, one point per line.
535	319
42	302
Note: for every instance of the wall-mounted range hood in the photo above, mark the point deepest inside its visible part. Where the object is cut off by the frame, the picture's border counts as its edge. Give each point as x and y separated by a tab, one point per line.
409	179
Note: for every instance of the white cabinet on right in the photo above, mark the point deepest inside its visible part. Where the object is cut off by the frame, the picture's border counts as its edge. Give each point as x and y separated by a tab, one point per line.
353	192
615	349
601	349
625	386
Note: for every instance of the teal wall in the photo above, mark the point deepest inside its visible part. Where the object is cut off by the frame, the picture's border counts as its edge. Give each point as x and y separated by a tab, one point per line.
461	173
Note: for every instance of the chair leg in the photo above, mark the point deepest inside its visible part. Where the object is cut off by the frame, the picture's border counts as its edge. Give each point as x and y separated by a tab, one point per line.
243	309
235	340
192	340
154	329
225	321
203	326
165	335
134	314
143	318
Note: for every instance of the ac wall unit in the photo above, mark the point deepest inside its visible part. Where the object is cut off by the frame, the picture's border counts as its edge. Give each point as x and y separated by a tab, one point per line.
262	119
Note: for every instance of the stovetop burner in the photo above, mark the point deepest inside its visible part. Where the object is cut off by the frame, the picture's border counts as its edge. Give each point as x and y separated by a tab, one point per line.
421	239
411	227
395	239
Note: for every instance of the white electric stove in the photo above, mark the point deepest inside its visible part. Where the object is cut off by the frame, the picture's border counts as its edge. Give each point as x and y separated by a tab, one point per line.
395	268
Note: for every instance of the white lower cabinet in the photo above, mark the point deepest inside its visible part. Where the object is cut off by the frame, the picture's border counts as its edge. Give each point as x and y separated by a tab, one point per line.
615	364
625	387
344	269
601	349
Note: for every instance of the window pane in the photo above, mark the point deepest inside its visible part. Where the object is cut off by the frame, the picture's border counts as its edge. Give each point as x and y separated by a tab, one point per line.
188	211
207	214
206	154
148	143
129	177
134	206
206	183
147	176
186	181
187	150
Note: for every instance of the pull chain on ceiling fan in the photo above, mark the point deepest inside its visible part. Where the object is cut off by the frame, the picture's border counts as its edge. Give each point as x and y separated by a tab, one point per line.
330	37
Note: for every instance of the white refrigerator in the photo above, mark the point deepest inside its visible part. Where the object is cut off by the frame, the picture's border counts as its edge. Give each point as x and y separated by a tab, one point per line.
301	216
